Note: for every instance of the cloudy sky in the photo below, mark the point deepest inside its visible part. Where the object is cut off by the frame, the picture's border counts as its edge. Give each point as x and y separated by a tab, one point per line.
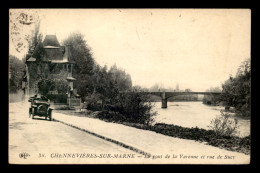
197	49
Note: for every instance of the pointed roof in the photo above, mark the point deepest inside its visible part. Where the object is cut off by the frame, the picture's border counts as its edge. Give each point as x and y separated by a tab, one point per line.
51	40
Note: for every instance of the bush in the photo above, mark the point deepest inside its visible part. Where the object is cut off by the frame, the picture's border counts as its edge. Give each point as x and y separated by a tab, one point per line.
57	98
45	85
111	116
223	125
61	86
93	102
135	105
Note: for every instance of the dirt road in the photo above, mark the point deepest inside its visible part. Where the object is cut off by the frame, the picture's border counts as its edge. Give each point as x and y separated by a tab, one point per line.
42	141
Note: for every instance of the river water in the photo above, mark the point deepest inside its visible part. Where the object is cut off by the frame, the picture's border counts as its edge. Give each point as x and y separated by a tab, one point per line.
192	114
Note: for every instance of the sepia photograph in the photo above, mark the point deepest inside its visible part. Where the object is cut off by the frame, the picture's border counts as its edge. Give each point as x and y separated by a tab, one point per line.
129	86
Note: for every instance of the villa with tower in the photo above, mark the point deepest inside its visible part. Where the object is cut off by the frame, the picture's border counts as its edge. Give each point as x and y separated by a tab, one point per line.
55	62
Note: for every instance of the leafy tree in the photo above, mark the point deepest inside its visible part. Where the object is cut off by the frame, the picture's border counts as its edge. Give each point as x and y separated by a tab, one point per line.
45	85
16	70
121	78
113	86
187	90
84	63
135	106
61	85
237	90
154	88
212	99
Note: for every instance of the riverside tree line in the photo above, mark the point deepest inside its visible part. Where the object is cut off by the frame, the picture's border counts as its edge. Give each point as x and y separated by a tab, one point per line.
236	91
111	91
107	90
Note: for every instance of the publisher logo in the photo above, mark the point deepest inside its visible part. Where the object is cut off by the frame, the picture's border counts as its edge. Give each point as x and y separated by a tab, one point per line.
24	155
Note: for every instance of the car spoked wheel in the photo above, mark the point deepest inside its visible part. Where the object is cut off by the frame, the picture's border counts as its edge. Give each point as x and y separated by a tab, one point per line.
42	109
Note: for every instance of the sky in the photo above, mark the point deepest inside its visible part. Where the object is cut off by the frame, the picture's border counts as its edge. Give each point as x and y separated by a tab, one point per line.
194	48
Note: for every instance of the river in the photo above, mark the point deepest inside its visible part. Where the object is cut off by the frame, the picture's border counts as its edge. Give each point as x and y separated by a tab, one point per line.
192	114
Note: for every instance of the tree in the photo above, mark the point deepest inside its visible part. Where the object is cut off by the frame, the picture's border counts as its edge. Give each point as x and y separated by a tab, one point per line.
84	63
45	85
121	78
212	99
187	90
237	90
136	106
61	85
16	70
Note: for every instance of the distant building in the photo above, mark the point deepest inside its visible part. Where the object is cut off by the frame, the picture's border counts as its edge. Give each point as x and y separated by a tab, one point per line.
56	62
177	87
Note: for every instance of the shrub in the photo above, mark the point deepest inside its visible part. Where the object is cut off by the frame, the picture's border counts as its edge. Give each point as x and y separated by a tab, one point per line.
223	125
93	102
57	98
111	116
135	106
61	85
45	85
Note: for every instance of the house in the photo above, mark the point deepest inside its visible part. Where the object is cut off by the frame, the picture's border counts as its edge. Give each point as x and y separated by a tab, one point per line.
50	61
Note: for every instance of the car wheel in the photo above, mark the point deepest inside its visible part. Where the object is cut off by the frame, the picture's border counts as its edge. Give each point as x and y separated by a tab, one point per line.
32	113
50	118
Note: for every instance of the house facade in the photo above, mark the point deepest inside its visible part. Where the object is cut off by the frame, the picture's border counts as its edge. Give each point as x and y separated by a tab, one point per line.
55	63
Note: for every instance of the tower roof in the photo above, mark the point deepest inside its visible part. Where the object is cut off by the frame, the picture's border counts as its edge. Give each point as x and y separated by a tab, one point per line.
51	40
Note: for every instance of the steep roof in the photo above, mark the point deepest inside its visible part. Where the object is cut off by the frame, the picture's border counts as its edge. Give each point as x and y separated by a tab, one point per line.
51	40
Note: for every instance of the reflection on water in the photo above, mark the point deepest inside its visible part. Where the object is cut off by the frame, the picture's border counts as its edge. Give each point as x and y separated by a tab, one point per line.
192	114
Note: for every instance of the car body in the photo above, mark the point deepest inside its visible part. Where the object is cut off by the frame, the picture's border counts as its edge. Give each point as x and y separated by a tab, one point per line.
40	107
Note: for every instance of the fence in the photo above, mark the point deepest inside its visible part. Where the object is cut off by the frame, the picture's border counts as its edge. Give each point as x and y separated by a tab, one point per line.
74	102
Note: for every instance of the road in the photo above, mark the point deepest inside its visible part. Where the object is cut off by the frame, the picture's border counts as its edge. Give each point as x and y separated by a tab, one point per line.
51	142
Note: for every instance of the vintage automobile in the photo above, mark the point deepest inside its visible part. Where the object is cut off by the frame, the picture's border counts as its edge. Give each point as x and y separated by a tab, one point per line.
40	107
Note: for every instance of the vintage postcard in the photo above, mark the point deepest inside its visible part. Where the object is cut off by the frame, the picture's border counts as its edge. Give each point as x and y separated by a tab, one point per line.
129	86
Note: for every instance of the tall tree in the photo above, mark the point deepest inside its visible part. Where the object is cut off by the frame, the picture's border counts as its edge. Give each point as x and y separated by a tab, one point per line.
212	99
16	70
121	78
237	90
84	63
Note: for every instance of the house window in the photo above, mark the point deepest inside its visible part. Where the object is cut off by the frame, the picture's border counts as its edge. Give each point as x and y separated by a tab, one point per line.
69	70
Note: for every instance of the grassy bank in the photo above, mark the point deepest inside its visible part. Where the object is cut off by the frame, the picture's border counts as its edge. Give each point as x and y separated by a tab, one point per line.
233	143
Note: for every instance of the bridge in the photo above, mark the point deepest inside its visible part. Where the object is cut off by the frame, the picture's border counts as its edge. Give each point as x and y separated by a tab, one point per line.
166	95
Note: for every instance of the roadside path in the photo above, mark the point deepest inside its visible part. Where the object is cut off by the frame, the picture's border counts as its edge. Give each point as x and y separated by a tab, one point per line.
157	145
